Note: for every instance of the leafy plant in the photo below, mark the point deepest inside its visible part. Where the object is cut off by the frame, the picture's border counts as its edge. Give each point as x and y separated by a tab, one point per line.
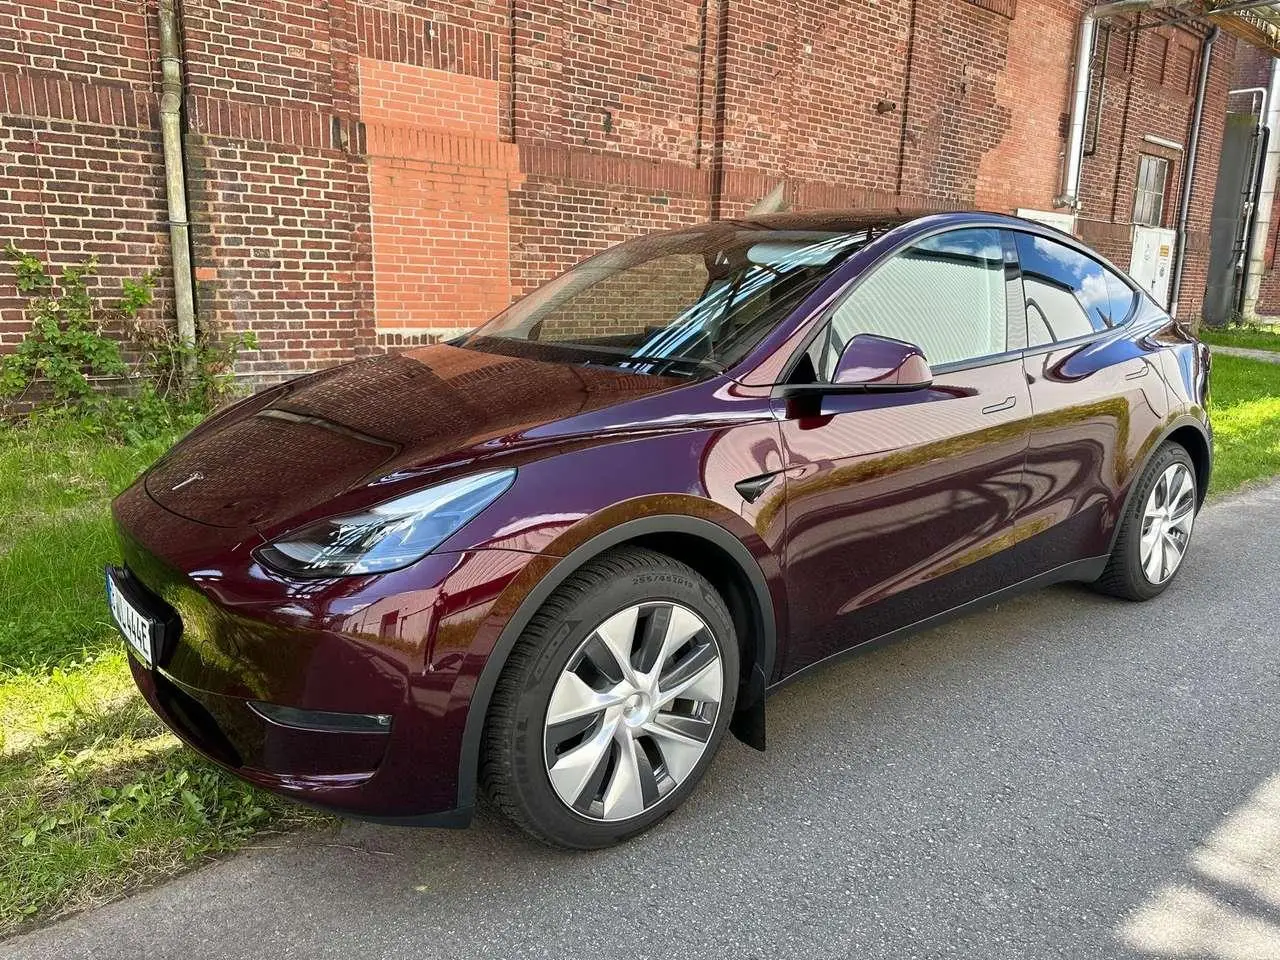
65	347
68	367
198	376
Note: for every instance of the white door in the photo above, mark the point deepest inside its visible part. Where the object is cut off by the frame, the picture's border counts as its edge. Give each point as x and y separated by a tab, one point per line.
1151	261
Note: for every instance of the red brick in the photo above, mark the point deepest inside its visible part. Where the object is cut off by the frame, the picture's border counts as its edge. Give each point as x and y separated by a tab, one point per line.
479	155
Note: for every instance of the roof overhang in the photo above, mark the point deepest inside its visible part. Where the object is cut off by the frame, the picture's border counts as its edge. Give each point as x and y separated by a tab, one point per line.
1256	22
1256	25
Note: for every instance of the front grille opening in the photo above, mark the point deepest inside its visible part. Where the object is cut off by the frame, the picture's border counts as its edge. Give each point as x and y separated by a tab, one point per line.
196	722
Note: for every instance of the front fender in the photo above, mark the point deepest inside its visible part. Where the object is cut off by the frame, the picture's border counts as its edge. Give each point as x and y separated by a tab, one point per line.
624	523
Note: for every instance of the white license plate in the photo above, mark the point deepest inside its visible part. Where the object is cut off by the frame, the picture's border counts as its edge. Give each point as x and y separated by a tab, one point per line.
137	627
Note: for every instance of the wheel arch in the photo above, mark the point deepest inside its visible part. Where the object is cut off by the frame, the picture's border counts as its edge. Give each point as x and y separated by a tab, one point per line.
709	548
1192	435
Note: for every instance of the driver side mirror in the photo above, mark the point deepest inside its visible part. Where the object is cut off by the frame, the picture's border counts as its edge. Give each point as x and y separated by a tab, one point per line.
881	362
870	363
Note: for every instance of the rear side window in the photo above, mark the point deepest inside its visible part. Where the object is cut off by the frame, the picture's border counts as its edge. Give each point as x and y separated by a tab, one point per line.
945	294
1068	294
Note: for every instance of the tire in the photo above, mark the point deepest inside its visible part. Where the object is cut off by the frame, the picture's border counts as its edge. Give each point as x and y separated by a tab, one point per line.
632	766
1126	575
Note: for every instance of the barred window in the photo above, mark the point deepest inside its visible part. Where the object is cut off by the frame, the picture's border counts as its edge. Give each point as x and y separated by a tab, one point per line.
1148	199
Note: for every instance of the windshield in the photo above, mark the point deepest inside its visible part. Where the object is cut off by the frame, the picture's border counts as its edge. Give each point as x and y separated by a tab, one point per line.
682	304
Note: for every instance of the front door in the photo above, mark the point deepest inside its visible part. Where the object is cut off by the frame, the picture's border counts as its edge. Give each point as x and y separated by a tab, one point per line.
898	505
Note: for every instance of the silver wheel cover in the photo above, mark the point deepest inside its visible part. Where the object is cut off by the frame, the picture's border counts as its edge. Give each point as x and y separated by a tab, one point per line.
1166	524
633	711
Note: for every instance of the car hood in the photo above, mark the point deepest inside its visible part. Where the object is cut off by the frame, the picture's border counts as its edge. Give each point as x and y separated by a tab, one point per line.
288	450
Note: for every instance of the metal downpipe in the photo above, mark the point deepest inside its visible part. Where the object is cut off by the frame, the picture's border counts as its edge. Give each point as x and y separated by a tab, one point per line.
1070	196
171	93
1189	172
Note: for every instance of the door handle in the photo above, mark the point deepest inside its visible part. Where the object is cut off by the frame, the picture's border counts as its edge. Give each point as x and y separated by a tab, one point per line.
1139	373
1008	404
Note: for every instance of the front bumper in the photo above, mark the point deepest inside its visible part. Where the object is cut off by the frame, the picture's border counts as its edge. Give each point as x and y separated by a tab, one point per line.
406	646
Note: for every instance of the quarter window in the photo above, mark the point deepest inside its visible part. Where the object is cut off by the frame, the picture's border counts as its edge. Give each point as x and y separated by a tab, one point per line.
1068	294
1123	299
945	294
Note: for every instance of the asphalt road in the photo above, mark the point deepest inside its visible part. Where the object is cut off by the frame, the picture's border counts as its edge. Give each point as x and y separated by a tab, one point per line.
1061	776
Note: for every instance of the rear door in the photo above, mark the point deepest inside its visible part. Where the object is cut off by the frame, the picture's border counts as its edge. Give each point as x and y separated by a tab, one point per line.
1097	395
898	505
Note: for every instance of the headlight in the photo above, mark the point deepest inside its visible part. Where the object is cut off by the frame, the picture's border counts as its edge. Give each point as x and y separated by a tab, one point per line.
388	536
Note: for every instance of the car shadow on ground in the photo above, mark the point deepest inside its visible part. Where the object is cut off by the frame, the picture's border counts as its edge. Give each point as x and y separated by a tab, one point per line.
836	728
1014	727
876	683
1060	775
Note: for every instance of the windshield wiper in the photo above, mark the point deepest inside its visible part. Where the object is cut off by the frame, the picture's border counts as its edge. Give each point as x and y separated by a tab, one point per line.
621	356
688	361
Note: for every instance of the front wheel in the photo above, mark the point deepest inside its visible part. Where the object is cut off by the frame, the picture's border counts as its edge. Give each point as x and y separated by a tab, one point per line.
1155	531
613	702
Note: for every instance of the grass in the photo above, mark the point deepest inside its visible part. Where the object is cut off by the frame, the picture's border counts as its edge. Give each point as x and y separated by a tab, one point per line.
1249	338
55	535
1245	407
96	797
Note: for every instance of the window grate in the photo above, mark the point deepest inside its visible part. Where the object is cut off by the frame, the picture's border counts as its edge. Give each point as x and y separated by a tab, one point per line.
1148	199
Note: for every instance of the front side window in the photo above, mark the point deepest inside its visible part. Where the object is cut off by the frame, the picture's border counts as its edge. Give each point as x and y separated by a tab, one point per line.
945	294
1148	199
1068	294
674	304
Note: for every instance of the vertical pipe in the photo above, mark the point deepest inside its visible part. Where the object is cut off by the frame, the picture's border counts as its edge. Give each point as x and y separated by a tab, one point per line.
903	129
1251	205
512	40
702	81
175	179
1070	196
1189	172
1263	209
1101	50
1079	110
719	109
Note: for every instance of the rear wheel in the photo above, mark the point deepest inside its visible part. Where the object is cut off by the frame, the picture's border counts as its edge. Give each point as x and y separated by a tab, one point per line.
1155	531
613	702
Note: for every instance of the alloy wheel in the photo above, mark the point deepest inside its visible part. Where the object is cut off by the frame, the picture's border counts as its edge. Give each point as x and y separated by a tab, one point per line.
633	711
1166	523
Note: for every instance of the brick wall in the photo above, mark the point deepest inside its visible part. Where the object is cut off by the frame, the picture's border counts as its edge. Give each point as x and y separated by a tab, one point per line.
373	174
1144	84
1252	68
440	179
80	171
279	186
1023	169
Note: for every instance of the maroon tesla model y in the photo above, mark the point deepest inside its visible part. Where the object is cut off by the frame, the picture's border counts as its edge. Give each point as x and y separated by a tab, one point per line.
556	559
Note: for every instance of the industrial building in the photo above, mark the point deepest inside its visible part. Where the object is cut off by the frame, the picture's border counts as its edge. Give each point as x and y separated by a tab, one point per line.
364	174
